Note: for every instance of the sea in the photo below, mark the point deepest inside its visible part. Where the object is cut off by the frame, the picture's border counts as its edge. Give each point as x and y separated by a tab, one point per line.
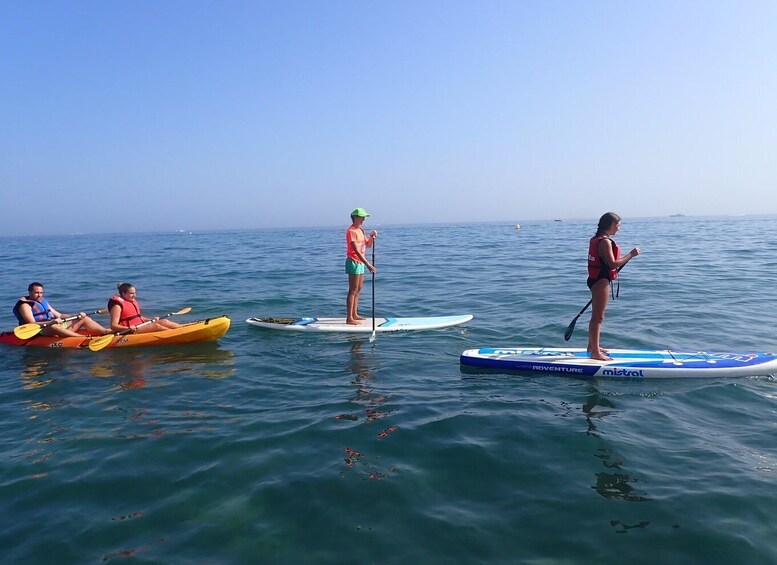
295	448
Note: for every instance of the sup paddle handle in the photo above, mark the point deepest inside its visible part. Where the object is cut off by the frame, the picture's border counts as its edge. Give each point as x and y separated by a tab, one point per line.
372	337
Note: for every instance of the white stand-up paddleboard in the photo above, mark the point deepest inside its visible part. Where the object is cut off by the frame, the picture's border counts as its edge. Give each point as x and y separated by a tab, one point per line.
625	363
364	326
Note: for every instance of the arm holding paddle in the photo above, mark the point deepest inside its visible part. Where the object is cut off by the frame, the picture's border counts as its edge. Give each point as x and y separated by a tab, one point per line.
605	249
29	330
102	342
140	324
369	242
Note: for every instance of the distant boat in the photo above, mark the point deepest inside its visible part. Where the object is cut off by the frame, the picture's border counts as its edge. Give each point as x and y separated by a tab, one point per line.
557	220
677	215
517	226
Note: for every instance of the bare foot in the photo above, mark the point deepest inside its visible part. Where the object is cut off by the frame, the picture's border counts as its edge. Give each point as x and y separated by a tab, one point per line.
352	322
360	318
601	357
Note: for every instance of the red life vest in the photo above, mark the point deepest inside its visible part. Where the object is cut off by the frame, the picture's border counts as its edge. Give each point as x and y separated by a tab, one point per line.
130	311
597	269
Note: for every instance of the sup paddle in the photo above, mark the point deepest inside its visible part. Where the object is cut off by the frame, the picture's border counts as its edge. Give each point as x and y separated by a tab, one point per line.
26	331
104	341
571	326
372	337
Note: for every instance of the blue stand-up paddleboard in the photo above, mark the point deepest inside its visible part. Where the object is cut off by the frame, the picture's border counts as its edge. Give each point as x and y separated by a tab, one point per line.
625	364
364	326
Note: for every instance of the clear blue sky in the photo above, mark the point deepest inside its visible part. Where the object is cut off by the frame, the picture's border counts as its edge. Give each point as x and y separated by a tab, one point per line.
156	115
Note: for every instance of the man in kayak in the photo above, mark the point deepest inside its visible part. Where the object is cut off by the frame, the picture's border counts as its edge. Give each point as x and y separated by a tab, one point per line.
356	243
35	309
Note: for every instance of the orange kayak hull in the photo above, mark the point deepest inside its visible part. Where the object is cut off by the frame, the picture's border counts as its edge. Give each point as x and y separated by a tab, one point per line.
200	331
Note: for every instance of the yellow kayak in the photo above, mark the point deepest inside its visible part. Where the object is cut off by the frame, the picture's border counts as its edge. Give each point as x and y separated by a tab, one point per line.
210	329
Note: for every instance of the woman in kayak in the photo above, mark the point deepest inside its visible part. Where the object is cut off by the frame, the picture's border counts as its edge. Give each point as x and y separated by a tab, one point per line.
604	262
125	313
356	243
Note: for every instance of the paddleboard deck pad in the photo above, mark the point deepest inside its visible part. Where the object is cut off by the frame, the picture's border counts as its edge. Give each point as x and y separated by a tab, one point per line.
364	326
625	363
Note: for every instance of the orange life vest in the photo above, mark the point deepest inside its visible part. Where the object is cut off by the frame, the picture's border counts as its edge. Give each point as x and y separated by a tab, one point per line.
130	311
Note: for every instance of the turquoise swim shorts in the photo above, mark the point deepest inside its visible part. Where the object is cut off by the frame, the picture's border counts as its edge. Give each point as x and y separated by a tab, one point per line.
354	267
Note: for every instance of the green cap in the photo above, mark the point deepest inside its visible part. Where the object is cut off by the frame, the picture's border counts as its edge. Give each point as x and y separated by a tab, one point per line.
361	212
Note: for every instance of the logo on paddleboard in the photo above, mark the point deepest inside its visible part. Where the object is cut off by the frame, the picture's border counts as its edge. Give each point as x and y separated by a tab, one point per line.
622	373
556	369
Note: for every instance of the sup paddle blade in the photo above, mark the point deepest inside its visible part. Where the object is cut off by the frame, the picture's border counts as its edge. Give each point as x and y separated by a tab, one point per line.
571	326
570	329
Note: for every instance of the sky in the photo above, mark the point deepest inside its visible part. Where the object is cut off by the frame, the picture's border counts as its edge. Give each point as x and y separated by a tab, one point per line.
205	115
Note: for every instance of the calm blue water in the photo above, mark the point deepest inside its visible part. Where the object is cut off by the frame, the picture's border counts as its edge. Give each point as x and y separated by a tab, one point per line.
271	447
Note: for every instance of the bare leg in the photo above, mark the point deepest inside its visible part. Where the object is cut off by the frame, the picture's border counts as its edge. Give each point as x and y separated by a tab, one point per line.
90	325
600	296
57	331
352	301
356	301
157	326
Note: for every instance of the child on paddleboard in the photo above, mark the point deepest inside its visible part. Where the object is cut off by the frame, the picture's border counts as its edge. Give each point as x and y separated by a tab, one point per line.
356	243
604	262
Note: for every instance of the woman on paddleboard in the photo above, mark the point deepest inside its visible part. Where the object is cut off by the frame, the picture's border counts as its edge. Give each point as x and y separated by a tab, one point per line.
125	313
356	243
604	262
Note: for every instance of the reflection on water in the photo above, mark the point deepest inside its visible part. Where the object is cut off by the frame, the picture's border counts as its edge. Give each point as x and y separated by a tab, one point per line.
592	409
132	552
624	528
362	367
66	380
613	483
132	366
35	368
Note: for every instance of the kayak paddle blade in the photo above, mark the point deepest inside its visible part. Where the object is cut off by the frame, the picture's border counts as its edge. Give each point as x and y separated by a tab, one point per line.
27	331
